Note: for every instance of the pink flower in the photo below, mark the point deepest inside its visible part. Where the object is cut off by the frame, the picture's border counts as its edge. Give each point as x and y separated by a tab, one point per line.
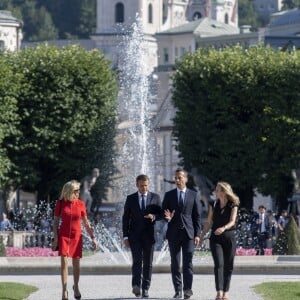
33	252
245	252
268	251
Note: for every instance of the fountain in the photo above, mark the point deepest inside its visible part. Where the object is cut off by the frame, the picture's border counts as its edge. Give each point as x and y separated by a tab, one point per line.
135	142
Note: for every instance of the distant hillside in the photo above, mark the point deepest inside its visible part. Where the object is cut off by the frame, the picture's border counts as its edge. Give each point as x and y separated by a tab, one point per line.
55	19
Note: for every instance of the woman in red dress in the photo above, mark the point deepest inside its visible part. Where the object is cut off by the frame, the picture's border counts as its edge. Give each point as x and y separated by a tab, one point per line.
68	236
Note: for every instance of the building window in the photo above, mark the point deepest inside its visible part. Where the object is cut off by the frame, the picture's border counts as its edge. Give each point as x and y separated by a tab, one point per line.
197	15
150	14
182	51
164	14
166	55
1	45
226	19
119	13
176	51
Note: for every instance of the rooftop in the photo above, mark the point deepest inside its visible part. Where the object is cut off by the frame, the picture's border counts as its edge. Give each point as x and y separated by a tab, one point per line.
286	17
203	27
7	17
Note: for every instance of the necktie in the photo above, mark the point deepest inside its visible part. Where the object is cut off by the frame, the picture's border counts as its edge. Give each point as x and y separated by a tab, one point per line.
262	224
143	202
181	199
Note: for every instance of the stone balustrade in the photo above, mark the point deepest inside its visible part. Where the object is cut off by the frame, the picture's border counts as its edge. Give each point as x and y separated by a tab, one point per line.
22	239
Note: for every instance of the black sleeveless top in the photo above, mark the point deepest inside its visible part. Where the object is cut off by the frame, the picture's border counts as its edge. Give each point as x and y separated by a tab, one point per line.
221	216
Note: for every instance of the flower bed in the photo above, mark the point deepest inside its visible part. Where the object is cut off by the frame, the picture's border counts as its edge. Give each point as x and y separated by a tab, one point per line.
31	252
251	252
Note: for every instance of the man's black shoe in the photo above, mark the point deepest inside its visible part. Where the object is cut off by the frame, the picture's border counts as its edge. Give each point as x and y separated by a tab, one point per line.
178	295
187	294
145	294
136	290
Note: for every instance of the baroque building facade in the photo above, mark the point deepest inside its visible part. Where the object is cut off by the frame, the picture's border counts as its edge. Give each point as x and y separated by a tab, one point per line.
10	32
115	19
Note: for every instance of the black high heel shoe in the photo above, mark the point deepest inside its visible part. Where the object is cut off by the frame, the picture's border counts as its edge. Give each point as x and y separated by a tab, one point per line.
63	298
78	297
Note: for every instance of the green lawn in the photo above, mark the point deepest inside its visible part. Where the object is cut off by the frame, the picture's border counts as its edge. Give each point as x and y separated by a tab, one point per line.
15	291
268	290
279	290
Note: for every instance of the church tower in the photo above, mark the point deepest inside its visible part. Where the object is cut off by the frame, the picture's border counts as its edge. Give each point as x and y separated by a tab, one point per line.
115	18
155	15
225	11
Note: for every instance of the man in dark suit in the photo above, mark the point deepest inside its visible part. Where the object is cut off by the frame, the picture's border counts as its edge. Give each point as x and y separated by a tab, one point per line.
141	210
262	230
181	208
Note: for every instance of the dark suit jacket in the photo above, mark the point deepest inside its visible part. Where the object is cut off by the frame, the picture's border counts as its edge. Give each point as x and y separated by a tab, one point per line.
190	215
133	221
256	227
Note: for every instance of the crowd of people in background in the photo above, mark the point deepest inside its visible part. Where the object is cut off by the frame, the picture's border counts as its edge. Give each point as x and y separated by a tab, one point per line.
260	229
12	221
41	224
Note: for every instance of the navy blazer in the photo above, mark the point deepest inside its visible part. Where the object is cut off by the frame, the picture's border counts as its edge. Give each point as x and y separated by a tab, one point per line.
133	222
190	215
268	225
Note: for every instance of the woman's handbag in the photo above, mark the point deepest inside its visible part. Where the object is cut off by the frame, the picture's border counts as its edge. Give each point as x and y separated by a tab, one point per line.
57	248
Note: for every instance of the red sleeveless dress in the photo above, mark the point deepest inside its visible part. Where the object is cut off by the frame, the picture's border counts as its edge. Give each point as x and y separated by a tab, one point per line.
70	233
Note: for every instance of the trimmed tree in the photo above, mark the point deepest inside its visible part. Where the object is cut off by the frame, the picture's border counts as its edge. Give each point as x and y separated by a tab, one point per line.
238	117
293	237
67	107
8	115
2	247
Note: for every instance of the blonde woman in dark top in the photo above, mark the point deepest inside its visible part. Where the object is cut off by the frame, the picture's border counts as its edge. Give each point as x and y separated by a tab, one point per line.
221	220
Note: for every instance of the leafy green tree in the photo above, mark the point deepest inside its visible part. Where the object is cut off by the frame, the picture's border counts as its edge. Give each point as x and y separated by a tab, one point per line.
293	237
244	116
2	247
247	15
87	18
281	245
8	114
73	18
67	110
290	4
42	28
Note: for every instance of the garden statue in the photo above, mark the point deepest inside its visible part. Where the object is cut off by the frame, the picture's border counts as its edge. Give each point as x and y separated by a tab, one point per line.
296	177
85	188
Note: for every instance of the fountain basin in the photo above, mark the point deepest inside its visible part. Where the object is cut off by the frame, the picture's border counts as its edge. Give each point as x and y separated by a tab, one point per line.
99	264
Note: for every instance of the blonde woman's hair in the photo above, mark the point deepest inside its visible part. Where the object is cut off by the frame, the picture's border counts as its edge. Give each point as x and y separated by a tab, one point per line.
230	195
68	189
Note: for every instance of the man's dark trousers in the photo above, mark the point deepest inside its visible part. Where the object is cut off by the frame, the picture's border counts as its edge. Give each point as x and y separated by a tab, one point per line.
142	257
186	245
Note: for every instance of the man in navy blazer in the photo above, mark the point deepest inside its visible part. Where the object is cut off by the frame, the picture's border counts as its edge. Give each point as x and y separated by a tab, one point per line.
141	210
182	211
